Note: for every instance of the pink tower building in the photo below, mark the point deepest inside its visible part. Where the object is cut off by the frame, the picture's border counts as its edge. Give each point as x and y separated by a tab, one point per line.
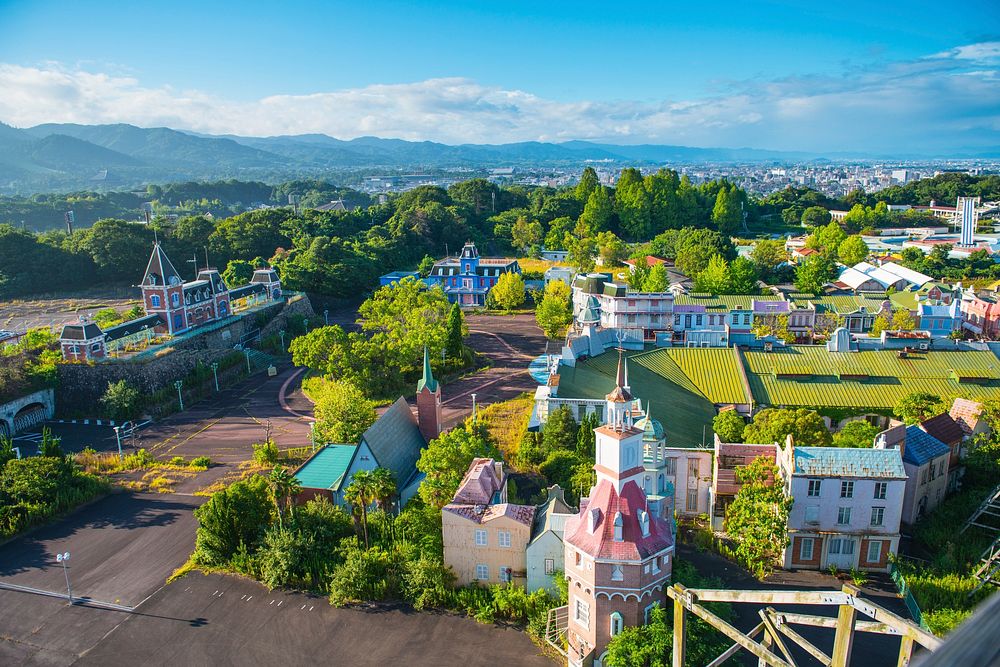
618	554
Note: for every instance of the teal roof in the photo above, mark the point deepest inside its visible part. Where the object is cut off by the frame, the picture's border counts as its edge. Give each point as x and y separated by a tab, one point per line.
849	462
326	468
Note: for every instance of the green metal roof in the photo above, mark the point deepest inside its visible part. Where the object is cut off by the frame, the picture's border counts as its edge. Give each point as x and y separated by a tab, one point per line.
326	468
677	403
713	371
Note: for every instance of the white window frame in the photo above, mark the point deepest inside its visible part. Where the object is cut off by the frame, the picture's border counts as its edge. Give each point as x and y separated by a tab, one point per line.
814	488
581	613
645	612
503	538
550	566
847	489
482	538
806	542
617	573
812	514
878	551
881	489
879	514
482	572
616	623
843	516
504	574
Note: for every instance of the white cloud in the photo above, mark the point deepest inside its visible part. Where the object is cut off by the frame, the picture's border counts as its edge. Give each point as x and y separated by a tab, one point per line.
947	100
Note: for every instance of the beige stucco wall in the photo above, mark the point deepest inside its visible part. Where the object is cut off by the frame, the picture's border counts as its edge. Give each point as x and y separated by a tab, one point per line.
462	554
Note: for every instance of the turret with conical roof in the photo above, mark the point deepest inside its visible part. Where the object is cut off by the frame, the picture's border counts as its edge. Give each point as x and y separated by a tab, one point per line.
159	270
428	401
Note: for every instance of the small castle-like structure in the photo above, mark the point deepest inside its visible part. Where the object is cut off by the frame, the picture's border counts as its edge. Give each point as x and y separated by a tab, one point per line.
172	307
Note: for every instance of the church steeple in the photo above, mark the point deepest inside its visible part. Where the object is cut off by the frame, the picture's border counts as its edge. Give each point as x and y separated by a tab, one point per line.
427	379
428	402
620	398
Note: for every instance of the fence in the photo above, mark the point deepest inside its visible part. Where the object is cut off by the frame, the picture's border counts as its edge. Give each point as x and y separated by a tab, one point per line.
907	595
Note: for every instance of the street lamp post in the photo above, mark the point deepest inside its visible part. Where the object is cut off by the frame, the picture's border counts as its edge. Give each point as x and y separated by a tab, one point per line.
215	374
246	351
180	397
118	437
305	325
473	408
326	316
62	558
312	435
282	334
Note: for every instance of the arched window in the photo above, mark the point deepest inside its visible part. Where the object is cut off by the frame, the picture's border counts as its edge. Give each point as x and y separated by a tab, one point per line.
154	301
616	623
175	299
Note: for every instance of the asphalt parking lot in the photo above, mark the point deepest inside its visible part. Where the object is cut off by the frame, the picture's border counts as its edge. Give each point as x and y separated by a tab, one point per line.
122	548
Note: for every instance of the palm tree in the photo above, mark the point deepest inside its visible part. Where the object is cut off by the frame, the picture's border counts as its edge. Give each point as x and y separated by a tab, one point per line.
384	487
284	487
360	494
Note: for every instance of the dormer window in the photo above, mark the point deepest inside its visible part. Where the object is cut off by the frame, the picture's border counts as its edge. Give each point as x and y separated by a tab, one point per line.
595	519
619	524
644	522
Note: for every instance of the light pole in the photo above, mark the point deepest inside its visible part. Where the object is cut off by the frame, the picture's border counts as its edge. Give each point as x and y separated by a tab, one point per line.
118	437
473	408
282	334
180	396
62	558
326	316
305	325
246	351
312	435
215	374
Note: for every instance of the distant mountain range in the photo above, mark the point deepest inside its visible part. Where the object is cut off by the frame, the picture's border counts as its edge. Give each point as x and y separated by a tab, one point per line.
66	156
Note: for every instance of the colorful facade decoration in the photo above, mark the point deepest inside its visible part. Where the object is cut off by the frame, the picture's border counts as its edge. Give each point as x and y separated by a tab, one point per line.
468	278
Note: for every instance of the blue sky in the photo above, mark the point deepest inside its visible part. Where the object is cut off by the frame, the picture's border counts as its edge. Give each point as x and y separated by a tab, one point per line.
791	75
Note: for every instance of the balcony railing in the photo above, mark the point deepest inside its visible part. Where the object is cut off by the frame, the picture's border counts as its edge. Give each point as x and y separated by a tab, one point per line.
555	628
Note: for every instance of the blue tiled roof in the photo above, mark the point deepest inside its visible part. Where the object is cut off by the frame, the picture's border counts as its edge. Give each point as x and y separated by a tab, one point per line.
326	468
922	447
848	462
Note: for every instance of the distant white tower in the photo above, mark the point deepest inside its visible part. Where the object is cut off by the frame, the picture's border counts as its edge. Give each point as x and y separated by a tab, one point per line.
968	216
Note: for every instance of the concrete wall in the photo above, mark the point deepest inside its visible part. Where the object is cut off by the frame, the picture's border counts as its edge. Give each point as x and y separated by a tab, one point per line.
37	407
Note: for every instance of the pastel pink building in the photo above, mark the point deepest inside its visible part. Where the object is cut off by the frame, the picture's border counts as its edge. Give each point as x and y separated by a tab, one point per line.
980	315
617	552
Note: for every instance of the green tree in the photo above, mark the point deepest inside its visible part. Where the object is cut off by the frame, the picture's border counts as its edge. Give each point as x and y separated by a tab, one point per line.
238	273
554	312
456	332
774	424
767	255
853	250
773	325
715	279
384	488
284	487
447	458
919	406
757	519
598	212
50	445
694	248
902	320
560	467
813	274
633	205
586	439
361	493
729	426
526	235
657	280
509	293
401	319
343	413
7	452
815	216
426	266
858	434
727	214
743	277
611	249
581	253
880	324
560	430
121	401
827	239
232	518
589	182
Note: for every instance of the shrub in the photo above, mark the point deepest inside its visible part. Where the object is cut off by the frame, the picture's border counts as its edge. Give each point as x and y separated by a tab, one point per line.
178	461
859	577
232	518
200	462
364	576
266	453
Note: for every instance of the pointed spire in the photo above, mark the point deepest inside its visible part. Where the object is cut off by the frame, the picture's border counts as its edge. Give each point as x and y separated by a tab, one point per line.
427	380
625	386
159	270
621	379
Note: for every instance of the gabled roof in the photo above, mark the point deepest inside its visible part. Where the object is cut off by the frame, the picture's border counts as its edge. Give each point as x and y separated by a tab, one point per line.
247	290
849	462
160	268
395	441
922	447
132	326
556	504
966	413
326	468
600	543
482	481
944	428
909	275
523	514
86	331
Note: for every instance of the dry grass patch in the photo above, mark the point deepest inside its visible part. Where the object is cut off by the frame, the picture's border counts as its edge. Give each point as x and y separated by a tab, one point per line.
507	422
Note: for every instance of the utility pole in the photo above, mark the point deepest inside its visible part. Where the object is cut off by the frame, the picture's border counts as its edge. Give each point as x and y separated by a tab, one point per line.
215	373
118	437
473	408
180	396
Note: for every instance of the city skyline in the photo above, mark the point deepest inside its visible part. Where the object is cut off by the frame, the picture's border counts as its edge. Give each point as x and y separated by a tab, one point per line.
772	76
